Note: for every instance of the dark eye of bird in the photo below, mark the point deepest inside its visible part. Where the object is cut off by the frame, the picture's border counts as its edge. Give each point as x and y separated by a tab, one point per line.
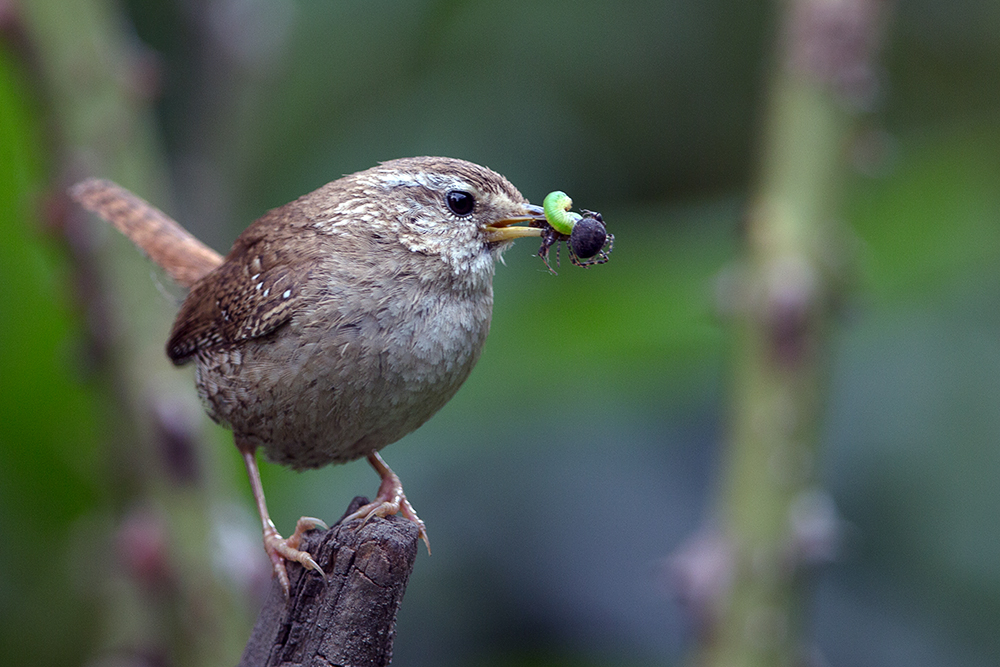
460	202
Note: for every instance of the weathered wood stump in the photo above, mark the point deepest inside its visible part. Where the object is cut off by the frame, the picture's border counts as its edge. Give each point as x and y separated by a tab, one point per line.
350	619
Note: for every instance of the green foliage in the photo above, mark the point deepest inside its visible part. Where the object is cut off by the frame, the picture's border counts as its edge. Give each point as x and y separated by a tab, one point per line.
932	219
48	418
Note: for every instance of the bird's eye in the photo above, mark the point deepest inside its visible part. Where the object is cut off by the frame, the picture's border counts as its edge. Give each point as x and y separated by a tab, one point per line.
460	202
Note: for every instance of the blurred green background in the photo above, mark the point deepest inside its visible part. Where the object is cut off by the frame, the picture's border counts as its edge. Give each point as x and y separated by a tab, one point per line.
582	450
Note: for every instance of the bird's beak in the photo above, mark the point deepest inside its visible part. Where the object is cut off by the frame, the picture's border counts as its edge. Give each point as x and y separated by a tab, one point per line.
502	230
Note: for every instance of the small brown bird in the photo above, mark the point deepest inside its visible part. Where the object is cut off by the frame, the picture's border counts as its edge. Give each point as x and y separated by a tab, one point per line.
339	322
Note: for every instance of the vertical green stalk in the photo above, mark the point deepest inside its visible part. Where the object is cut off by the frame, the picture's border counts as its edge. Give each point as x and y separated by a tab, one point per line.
787	285
160	592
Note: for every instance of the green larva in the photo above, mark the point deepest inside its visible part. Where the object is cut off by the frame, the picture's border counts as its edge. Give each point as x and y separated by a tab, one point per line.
557	207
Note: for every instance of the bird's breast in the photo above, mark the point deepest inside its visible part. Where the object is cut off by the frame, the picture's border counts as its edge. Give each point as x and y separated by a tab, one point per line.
358	371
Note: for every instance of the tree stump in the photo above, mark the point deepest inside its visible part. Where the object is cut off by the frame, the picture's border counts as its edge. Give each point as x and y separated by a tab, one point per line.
350	619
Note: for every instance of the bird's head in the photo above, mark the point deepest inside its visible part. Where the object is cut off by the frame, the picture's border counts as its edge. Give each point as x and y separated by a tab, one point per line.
456	210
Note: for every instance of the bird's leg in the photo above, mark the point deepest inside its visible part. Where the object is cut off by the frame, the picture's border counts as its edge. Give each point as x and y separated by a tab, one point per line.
279	549
390	499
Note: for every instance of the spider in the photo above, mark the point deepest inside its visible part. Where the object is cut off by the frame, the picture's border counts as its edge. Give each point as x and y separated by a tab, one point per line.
587	242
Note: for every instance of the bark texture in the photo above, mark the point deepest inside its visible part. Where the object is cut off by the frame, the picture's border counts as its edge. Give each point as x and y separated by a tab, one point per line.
350	619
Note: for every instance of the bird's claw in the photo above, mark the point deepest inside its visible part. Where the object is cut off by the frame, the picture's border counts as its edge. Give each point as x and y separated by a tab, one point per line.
280	549
390	500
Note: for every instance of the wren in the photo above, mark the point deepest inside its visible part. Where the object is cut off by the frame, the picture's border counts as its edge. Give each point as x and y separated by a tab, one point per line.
337	323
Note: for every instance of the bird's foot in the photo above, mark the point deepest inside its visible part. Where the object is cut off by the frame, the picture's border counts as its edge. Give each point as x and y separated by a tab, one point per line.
280	549
390	500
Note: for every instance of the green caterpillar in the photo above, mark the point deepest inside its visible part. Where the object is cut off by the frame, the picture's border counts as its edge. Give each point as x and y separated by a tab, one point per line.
557	207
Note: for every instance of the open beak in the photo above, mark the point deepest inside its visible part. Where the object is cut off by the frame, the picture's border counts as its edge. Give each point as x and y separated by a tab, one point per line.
503	230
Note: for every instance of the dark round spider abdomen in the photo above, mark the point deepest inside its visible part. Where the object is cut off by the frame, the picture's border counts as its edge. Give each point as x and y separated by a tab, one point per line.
588	237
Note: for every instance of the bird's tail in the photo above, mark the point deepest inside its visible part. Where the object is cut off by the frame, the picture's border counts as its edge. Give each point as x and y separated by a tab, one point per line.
182	256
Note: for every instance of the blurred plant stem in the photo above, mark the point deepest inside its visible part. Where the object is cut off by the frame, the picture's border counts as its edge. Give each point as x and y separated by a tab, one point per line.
162	601
774	520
